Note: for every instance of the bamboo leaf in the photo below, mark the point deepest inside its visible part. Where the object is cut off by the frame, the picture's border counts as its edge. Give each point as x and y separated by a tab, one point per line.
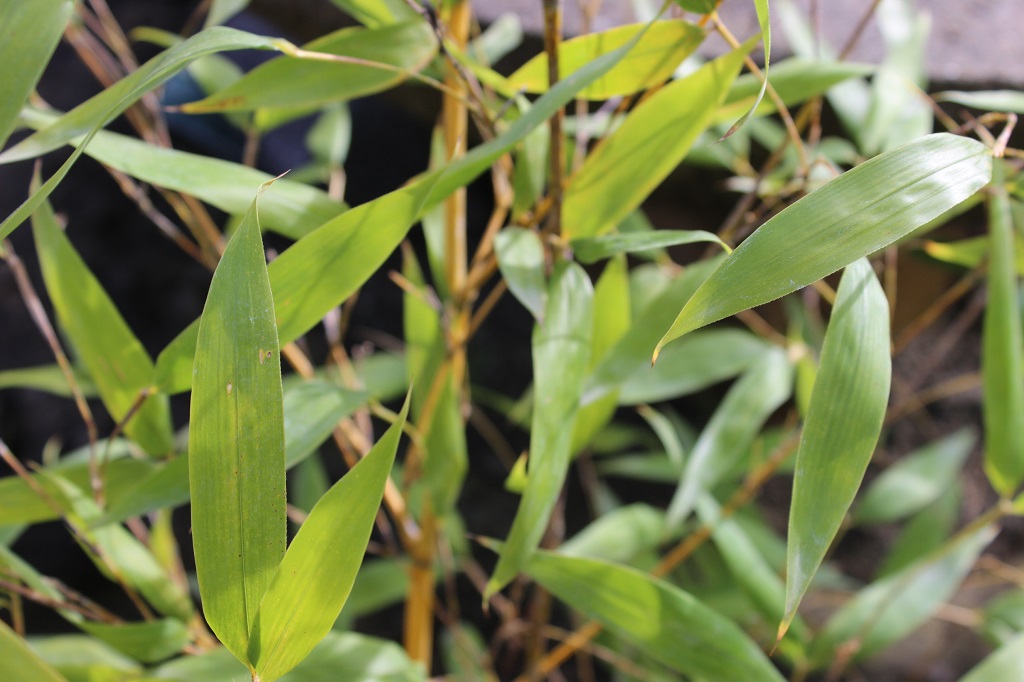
316	576
121	368
992	100
843	423
795	80
592	249
625	167
300	85
889	609
292	209
236	442
561	354
665	45
48	378
764	20
620	536
20	662
1002	352
1005	664
222	10
858	213
147	642
915	481
924	532
521	261
660	619
374	13
317	273
31	31
736	422
93	114
700	360
85	659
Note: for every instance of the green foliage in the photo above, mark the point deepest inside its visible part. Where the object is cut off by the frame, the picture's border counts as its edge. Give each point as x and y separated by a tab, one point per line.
745	396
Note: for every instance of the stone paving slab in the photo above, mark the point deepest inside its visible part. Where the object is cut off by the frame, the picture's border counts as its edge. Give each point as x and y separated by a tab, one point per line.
974	43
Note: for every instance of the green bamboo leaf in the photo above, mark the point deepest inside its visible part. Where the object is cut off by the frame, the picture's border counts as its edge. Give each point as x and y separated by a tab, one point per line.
477	160
1002	352
858	213
341	656
625	167
31	31
665	45
222	10
631	356
992	100
1005	664
764	20
312	409
592	249
611	322
924	532
969	253
698	6
375	13
292	209
521	261
843	423
748	566
317	273
795	80
660	619
48	378
620	536
765	386
120	367
85	659
121	556
316	576
93	114
916	480
379	583
702	359
301	85
889	609
561	354
20	662
148	642
236	442
1003	616
19	503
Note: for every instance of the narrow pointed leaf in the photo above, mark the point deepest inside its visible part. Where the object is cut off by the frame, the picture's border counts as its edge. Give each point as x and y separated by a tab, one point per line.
764	20
858	213
665	45
92	115
121	368
1005	664
629	164
298	85
477	160
702	359
916	480
312	410
292	209
316	576
620	535
592	249
236	442
29	34
736	422
845	417
375	13
924	532
992	100
317	273
1002	353
891	608
20	662
48	378
521	261
85	659
148	642
222	10
661	620
561	354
